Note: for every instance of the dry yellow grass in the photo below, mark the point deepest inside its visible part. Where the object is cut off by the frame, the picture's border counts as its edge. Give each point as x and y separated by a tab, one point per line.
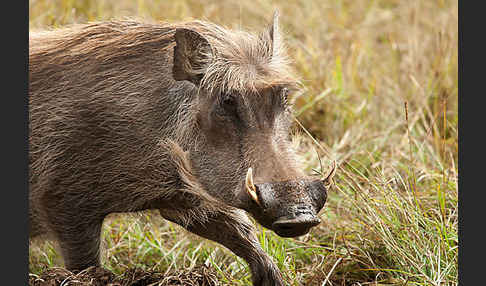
393	215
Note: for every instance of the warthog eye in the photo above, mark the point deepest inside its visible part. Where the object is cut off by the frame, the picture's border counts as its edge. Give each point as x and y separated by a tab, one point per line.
229	105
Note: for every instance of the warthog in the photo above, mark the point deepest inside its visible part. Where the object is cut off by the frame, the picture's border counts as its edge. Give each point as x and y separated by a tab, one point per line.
190	119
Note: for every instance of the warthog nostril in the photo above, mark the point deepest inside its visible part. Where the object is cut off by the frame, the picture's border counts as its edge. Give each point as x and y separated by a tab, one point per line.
296	226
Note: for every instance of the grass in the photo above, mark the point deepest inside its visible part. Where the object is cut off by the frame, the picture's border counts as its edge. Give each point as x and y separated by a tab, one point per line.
379	95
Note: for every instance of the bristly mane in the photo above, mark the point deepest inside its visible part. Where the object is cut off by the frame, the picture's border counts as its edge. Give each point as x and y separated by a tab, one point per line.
243	62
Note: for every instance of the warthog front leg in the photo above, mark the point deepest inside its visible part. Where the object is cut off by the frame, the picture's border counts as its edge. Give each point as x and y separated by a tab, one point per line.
234	230
194	209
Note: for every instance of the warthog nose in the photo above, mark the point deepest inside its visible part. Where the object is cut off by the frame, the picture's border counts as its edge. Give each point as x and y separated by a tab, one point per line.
297	226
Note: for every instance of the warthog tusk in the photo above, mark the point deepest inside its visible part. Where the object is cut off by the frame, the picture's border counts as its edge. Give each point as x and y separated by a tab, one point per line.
328	180
249	186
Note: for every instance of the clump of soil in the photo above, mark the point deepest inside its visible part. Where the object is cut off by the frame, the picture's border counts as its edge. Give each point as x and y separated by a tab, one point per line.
96	276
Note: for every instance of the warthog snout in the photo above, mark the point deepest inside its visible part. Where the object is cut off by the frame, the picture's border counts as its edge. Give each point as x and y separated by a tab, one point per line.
289	208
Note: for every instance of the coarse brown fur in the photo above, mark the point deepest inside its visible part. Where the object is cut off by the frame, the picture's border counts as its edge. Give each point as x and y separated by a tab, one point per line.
119	122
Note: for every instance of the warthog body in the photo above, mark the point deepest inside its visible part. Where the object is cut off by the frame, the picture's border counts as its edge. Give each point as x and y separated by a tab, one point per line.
190	119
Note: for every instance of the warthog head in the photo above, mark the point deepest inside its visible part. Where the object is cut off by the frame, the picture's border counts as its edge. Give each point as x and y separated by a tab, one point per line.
241	151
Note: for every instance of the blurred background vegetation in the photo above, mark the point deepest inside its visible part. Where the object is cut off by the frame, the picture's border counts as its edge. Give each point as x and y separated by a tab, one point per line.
379	95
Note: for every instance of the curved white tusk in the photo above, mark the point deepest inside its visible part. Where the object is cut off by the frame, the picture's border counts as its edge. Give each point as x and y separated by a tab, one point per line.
249	186
330	175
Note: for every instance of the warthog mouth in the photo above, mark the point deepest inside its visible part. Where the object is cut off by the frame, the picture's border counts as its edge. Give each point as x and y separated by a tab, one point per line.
295	227
289	208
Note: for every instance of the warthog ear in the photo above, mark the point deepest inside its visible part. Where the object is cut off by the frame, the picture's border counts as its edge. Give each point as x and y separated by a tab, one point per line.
274	33
192	55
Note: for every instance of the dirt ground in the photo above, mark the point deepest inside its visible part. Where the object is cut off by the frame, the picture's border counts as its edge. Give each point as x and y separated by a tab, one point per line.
92	276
